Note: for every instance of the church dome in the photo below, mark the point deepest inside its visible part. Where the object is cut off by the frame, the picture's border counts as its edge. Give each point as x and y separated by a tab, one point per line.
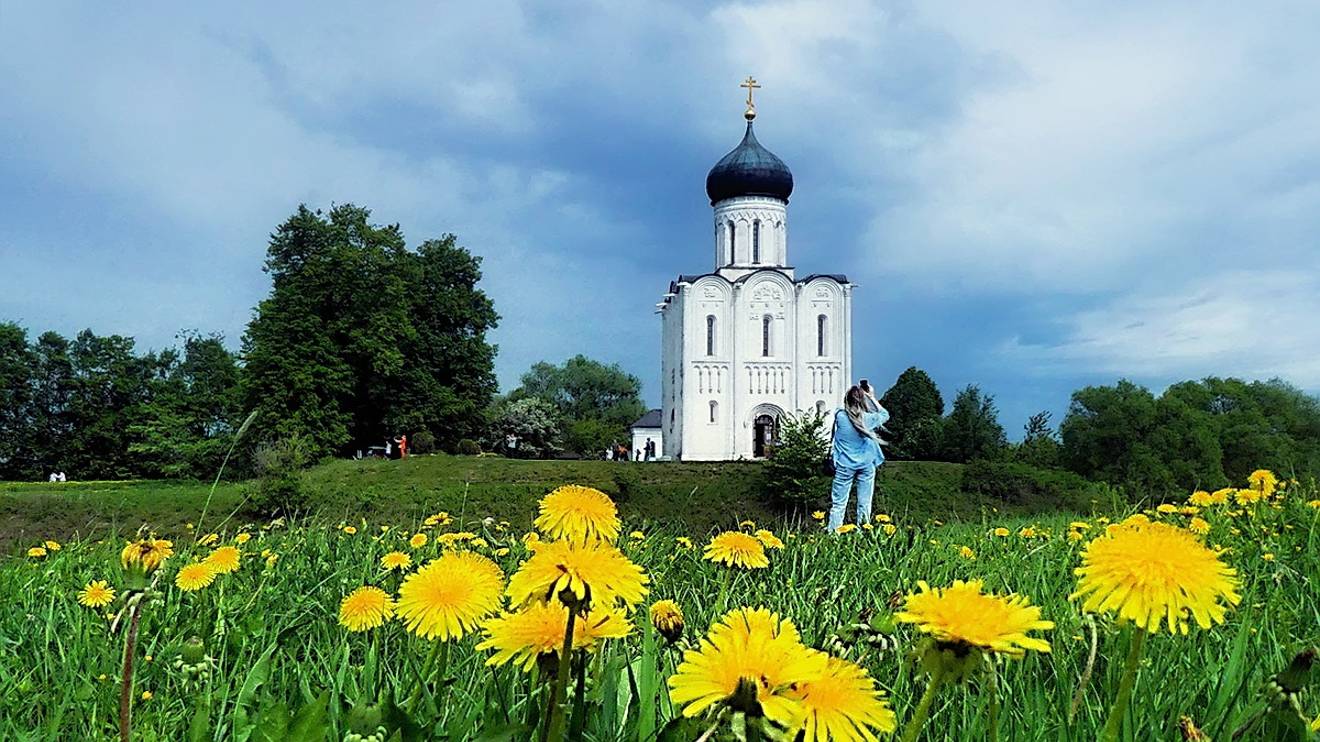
749	170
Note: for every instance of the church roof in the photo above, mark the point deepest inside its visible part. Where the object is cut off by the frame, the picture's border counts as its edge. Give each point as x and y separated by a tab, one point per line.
651	419
749	170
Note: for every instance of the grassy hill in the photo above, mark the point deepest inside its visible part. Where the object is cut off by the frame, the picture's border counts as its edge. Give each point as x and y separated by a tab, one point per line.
700	496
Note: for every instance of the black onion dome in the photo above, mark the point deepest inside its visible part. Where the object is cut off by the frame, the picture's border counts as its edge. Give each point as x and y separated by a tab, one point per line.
749	170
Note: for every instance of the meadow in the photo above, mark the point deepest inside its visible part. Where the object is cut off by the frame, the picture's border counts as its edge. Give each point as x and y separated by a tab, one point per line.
244	632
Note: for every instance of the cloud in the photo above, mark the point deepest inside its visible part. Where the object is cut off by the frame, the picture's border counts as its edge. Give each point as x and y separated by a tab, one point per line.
1250	323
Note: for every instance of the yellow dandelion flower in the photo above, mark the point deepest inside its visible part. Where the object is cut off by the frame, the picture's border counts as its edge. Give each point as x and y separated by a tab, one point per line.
1267	556
1166	508
271	559
208	539
818	515
418	540
747	524
365	608
479	543
538	628
1075	536
1199	526
889	528
1247	497
588	570
502	551
147	695
395	560
52	545
455	538
846	528
963	615
1263	481
194	576
146	555
737	549
1220	496
1002	532
768	539
667	618
449	596
843	704
637	536
574	513
966	553
1201	499
96	594
686	543
883	518
224	559
1028	532
350	530
1152	572
1313	504
750	651
36	552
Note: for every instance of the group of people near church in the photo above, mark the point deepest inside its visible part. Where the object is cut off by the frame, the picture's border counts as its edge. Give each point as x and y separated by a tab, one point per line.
856	452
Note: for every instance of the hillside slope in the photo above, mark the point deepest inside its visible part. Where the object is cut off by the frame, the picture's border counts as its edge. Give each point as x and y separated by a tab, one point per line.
701	496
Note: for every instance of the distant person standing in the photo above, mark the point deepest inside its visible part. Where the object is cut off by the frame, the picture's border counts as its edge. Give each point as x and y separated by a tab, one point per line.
649	448
403	446
856	454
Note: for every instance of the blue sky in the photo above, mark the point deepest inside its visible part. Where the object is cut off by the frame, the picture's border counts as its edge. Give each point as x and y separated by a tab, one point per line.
1032	198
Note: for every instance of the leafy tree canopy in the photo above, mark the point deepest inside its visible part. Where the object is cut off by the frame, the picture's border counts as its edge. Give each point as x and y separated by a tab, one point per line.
362	339
596	402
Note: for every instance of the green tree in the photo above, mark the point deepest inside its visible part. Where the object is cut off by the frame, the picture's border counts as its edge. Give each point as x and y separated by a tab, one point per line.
361	338
794	473
17	364
972	430
916	407
596	402
1039	446
1107	436
533	425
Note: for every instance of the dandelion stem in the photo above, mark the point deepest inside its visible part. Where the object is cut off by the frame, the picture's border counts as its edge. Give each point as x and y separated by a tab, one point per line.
918	719
554	731
993	709
126	681
1119	709
416	694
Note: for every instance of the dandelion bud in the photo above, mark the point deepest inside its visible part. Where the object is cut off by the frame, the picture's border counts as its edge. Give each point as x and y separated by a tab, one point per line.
194	650
142	557
667	618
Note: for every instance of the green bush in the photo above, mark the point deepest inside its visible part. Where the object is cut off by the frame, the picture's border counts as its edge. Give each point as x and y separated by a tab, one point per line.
468	447
795	473
279	488
1017	483
422	442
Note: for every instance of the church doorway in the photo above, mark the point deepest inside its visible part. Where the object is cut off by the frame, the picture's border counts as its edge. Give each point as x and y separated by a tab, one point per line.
765	431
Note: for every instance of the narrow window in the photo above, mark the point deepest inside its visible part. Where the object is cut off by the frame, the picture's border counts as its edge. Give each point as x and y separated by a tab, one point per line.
820	334
765	336
714	408
756	241
733	256
710	334
820	407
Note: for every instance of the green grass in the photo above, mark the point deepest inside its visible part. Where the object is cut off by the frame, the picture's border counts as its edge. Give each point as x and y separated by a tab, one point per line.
273	632
694	496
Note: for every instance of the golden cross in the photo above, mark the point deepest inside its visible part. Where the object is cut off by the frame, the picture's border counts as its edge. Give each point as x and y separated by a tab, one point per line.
751	84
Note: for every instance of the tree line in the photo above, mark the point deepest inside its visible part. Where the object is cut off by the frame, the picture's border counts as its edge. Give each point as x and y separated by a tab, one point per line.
1202	434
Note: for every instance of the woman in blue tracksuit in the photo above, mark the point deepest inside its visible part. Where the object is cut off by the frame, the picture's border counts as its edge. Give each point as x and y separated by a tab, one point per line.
856	451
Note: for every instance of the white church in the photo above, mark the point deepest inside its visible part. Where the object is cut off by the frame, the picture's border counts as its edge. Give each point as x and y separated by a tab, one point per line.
750	341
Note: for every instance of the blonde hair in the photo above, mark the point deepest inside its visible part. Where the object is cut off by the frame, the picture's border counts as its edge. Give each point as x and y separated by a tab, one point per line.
854	404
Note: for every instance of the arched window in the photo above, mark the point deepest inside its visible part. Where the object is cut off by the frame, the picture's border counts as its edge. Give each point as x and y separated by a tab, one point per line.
765	335
714	409
710	334
733	257
756	241
821	324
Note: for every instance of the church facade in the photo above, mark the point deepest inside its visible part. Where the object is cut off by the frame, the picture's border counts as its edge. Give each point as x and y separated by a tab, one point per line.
750	341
